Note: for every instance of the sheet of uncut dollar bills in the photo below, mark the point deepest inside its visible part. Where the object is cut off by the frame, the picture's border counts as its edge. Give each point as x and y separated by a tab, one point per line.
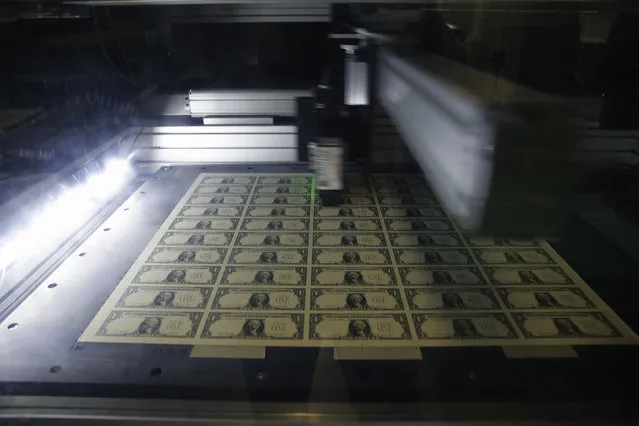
255	259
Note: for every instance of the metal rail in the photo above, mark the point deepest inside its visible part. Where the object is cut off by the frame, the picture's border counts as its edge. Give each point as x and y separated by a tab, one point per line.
217	144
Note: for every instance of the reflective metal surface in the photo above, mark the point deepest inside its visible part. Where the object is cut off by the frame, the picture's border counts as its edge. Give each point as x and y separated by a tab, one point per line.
225	121
216	144
244	102
356	82
47	410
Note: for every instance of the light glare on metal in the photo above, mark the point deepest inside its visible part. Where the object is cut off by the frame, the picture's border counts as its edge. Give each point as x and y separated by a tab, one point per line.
67	212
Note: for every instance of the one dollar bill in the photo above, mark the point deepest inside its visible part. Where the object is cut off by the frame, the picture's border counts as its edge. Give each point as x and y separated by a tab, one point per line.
463	326
262	239
254	326
278	211
238	180
346	257
425	240
275	225
419	225
164	297
361	200
480	241
297	190
545	298
285	180
359	327
176	275
512	257
348	240
413	212
182	224
528	276
442	276
218	199
356	299
196	239
252	276
280	200
433	257
259	299
354	277
345	212
171	255
150	324
471	299
222	189
347	225
565	325
278	257
231	211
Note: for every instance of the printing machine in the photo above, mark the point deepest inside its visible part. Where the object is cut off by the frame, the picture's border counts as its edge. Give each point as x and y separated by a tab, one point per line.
289	87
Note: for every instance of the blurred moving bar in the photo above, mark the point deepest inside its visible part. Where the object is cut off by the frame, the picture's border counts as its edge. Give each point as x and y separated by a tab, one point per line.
496	154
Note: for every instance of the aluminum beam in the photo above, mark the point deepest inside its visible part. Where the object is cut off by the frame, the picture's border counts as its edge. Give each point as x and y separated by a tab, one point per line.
284	108
217	144
244	130
217	156
226	121
247	95
202	103
198	141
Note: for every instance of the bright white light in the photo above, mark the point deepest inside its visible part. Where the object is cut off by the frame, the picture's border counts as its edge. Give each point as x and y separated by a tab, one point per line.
66	213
